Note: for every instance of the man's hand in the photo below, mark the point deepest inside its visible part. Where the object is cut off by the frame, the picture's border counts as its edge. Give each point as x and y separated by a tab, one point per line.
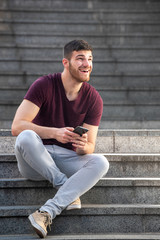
80	142
64	135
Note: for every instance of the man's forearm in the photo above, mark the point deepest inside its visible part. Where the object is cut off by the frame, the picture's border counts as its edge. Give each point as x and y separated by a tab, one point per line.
43	132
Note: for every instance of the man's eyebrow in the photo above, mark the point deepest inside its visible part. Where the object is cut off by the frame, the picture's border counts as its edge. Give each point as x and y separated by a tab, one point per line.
82	55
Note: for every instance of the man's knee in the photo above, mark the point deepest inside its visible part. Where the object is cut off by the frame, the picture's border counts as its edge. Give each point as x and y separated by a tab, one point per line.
103	163
25	138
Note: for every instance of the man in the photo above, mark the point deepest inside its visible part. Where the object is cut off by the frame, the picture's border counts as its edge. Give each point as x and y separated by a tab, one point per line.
47	147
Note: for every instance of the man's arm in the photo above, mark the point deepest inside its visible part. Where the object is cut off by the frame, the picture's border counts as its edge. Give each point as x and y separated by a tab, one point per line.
86	143
26	112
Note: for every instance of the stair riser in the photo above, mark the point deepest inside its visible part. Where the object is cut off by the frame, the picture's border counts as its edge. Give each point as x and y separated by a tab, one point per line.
7	112
109	97
81	27
70	4
97	195
110	142
130	97
86	224
106	67
111	112
131	112
111	82
117	169
81	16
139	40
51	53
12	96
6	124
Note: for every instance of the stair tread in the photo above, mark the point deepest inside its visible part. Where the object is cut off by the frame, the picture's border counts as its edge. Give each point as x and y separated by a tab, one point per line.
70	34
88	209
10	45
112	60
118	236
80	21
120	74
111	132
64	10
104	182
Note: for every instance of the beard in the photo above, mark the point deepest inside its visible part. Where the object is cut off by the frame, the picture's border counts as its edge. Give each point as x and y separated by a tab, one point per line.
78	75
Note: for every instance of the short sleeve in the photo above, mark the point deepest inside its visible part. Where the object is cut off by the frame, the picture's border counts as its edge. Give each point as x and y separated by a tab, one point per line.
36	92
95	110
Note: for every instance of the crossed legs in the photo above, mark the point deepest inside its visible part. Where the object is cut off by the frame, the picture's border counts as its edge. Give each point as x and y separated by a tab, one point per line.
71	174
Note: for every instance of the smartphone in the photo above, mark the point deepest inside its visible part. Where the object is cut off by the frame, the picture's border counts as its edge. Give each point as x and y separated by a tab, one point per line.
80	130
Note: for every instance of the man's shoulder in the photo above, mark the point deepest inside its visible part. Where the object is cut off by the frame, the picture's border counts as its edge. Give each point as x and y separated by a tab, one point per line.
49	77
90	89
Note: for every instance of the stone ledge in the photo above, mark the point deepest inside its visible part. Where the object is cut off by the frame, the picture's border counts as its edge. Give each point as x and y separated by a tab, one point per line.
104	182
88	209
112	157
108	141
116	236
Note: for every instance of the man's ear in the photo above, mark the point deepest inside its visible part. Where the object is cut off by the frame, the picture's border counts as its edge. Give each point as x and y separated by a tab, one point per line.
65	62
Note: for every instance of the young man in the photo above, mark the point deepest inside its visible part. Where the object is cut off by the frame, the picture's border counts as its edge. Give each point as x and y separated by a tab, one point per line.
47	147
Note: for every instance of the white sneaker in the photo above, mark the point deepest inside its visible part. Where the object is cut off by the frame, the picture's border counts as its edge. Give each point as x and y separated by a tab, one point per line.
74	205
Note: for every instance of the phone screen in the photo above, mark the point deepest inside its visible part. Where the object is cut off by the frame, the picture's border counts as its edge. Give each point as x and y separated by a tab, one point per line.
80	130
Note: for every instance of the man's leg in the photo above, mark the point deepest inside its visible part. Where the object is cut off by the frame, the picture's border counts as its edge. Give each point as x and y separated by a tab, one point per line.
83	172
34	161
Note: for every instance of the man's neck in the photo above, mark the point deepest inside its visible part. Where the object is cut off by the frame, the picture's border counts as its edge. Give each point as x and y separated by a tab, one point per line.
71	87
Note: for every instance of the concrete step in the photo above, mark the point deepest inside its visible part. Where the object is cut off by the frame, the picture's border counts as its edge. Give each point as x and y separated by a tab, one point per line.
106	27
116	236
111	112
109	96
139	39
110	124
106	191
121	124
83	4
130	112
11	51
108	141
95	219
150	66
86	14
121	165
146	97
19	79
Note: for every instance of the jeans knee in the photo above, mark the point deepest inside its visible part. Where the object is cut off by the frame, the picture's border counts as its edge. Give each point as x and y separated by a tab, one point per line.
103	164
25	138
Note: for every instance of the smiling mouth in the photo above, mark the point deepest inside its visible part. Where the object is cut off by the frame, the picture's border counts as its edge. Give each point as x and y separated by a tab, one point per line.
85	71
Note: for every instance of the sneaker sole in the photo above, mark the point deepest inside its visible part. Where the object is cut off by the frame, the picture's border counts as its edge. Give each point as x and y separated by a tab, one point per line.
70	207
38	229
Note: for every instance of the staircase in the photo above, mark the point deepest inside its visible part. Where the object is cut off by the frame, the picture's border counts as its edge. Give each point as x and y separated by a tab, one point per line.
122	205
125	35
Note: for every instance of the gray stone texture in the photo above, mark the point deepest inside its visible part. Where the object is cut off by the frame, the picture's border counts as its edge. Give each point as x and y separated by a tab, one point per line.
126	34
126	40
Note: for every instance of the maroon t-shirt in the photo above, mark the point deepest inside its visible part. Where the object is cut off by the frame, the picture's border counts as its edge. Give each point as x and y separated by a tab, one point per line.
56	110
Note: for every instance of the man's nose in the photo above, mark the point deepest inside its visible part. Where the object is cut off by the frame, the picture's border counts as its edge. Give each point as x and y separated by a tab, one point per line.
86	63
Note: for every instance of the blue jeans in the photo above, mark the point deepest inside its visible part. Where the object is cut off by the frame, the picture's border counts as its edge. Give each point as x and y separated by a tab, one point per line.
71	174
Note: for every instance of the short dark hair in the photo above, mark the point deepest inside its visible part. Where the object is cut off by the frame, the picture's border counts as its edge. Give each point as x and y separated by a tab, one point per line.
75	45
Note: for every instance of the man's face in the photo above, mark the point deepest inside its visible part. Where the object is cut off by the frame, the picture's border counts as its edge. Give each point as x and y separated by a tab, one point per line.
80	65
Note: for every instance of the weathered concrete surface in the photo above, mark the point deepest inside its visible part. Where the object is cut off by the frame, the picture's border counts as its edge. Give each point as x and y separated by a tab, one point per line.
116	141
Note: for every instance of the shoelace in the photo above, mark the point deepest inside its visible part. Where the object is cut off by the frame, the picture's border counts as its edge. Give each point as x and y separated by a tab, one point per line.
47	220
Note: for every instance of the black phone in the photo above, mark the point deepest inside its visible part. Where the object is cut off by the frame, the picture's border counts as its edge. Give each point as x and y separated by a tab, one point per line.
80	130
